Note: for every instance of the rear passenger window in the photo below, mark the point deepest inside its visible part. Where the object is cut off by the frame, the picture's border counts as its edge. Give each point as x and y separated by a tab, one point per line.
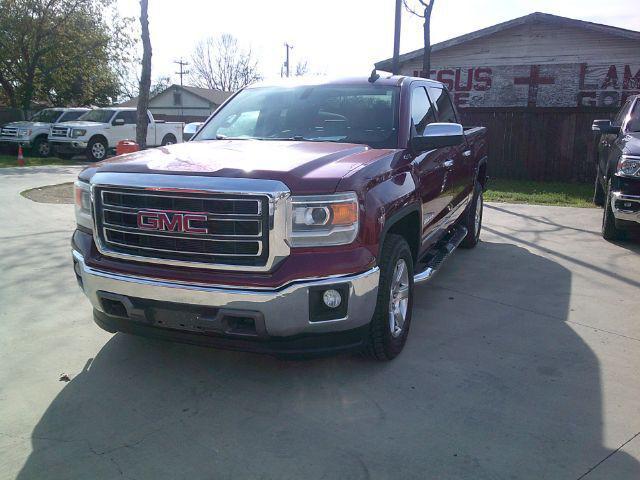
129	117
422	113
441	99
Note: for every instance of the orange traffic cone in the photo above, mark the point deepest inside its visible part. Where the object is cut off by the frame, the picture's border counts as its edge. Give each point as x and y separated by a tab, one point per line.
20	156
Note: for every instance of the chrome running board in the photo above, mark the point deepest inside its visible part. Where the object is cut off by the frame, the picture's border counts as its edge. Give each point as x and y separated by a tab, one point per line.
434	258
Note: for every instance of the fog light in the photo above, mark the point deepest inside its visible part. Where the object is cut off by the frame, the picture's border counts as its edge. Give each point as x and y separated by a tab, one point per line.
332	298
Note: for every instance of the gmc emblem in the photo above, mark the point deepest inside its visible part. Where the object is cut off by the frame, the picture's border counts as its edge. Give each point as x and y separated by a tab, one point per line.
169	221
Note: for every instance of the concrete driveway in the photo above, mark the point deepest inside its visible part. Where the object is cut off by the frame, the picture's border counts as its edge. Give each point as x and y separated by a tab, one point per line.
523	363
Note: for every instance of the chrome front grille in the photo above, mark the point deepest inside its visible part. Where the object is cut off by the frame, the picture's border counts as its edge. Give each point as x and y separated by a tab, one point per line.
176	226
9	132
60	132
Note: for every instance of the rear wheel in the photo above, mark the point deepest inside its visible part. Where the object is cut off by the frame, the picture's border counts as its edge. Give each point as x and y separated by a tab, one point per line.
392	317
609	229
473	218
598	191
168	140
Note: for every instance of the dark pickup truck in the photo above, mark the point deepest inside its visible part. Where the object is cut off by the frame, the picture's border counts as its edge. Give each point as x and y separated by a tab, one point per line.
296	221
617	186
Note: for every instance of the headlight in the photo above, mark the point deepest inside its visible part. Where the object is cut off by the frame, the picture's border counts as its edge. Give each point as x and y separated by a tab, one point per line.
78	132
24	132
82	193
322	220
629	166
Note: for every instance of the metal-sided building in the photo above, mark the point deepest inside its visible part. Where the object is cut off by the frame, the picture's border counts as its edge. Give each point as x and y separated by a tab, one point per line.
537	82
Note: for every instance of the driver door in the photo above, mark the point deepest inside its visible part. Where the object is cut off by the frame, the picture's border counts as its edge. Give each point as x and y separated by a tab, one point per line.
123	131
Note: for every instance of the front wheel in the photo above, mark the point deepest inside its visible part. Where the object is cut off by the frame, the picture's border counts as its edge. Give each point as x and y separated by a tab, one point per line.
97	150
609	230
41	147
392	317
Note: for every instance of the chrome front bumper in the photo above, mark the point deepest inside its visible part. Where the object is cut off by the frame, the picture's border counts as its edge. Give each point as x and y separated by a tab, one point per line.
631	213
285	310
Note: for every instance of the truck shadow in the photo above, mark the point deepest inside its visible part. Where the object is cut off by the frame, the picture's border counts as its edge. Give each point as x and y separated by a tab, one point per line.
493	383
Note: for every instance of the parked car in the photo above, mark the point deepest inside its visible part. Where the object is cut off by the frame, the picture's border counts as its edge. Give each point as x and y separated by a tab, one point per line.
304	231
33	134
617	185
97	132
190	130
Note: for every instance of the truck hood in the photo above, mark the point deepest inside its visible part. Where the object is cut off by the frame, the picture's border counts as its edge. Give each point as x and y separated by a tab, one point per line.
305	167
25	124
631	143
80	124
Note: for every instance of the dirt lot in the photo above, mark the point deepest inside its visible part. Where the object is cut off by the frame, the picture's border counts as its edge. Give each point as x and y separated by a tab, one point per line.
522	363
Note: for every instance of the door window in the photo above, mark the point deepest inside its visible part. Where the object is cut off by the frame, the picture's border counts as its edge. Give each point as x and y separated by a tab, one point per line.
129	117
633	125
422	112
619	118
443	104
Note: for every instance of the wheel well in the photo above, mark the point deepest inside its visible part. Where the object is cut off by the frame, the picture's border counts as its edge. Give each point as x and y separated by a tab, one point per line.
169	135
42	135
99	137
408	227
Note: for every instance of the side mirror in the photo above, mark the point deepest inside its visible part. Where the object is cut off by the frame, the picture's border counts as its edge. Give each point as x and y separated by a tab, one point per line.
604	127
118	121
438	135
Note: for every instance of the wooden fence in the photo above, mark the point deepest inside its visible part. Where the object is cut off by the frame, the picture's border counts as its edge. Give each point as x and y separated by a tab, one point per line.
543	144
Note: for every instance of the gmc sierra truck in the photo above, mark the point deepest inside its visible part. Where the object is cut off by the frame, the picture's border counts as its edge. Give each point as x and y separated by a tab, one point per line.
297	220
99	131
32	135
617	186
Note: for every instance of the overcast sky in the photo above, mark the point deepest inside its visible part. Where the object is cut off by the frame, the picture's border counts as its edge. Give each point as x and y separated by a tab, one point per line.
339	37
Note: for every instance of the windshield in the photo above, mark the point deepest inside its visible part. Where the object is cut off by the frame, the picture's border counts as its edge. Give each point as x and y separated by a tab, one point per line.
100	116
46	116
365	114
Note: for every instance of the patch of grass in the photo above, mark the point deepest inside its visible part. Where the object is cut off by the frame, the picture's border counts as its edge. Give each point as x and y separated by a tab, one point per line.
539	193
12	161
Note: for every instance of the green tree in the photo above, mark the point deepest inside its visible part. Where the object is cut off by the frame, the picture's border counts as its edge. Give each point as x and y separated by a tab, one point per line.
62	51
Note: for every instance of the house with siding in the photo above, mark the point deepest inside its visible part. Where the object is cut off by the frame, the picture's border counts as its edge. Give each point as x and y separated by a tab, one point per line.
537	82
183	103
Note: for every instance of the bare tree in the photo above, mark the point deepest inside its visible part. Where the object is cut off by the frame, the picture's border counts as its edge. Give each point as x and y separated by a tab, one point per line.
427	8
220	64
145	77
302	68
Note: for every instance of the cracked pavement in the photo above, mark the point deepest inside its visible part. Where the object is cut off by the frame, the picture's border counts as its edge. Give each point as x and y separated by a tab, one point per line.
523	363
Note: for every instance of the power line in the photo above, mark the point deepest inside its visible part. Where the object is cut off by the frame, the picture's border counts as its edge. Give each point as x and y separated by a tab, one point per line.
286	62
182	72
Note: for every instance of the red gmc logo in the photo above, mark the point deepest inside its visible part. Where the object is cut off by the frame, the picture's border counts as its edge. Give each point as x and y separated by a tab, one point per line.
170	221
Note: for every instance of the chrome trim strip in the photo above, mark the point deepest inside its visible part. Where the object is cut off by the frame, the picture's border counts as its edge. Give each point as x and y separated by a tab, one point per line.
202	236
138	193
276	192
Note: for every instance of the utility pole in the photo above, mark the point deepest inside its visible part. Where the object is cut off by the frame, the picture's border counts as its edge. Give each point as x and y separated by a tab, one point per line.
396	39
286	62
181	72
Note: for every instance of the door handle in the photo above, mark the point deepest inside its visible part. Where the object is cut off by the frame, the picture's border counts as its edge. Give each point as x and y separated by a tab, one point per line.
447	163
466	153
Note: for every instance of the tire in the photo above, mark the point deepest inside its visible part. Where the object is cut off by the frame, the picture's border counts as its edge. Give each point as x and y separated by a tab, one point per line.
598	191
97	150
41	147
387	334
472	219
609	230
168	140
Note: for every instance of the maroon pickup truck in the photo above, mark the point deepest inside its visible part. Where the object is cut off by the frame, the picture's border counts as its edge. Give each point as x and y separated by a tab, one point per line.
296	221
